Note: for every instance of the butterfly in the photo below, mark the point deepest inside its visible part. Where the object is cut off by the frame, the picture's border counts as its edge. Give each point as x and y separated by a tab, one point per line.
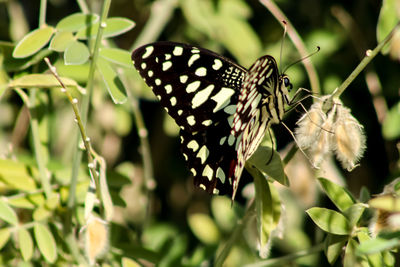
223	109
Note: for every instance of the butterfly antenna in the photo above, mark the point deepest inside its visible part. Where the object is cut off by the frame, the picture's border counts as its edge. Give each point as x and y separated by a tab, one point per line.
283	41
303	58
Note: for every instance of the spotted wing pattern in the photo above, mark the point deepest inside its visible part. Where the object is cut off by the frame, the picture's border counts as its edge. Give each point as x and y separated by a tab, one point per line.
223	110
200	90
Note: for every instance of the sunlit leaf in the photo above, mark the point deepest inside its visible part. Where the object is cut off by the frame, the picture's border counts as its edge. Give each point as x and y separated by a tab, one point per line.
114	27
267	209
377	245
386	202
204	228
330	221
350	259
273	167
7	214
25	243
388	17
75	22
127	262
354	212
40	81
334	247
5	234
114	85
338	194
33	42
45	241
61	41
76	53
390	126
117	56
223	213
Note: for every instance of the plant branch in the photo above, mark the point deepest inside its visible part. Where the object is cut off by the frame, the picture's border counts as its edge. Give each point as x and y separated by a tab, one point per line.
370	54
283	261
298	43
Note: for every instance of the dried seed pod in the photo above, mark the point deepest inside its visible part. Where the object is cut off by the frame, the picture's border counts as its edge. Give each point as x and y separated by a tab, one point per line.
349	143
96	238
309	126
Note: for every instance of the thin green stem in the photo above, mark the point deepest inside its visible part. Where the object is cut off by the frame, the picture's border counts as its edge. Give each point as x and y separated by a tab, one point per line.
298	43
42	14
283	261
83	6
77	158
370	54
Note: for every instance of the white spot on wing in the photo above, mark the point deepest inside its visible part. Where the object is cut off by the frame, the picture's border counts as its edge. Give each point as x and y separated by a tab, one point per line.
183	78
192	59
193	145
180	112
177	51
220	175
191	120
202	96
143	65
173	101
203	154
217	64
168	88
166	65
222	98
231	140
158	81
207	122
201	72
208	172
193	171
192	86
148	51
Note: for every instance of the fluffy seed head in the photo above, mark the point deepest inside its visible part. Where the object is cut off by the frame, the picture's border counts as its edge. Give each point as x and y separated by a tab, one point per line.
96	238
349	143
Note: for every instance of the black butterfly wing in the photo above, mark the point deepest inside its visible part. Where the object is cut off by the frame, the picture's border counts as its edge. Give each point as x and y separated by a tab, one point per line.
200	90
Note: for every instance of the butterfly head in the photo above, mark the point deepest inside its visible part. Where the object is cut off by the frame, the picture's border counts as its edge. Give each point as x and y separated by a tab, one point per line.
285	86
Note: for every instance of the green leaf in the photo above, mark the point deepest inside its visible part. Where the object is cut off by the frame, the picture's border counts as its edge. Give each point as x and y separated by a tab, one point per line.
375	260
77	21
27	202
25	243
377	245
5	234
338	194
204	228
386	202
330	221
268	210
273	168
33	42
388	18
390	125
127	262
223	213
61	41
334	246
41	214
117	56
114	27
7	214
353	213
45	241
350	259
77	53
114	85
41	81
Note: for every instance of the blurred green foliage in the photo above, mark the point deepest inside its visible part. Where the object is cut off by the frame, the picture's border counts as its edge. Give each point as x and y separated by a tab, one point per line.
159	218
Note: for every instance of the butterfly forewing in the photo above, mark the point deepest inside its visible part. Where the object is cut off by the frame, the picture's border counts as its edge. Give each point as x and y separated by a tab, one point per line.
195	85
200	90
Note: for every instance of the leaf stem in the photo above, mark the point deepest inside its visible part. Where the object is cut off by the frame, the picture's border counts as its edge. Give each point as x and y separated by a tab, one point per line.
282	261
370	54
42	14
